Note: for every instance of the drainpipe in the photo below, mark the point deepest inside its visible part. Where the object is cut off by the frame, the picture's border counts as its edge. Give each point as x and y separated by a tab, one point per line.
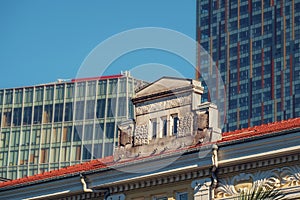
89	190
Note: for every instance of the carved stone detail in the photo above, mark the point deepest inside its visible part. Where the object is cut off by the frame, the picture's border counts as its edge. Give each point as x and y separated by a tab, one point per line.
278	178
173	103
141	135
185	125
126	132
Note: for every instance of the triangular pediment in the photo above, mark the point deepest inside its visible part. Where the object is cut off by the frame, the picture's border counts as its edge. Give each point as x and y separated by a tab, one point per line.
163	85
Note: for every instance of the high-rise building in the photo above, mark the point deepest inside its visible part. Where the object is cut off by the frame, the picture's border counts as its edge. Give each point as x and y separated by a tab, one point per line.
54	125
255	46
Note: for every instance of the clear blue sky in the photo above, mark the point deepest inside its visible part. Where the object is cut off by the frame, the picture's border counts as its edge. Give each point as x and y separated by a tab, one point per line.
43	40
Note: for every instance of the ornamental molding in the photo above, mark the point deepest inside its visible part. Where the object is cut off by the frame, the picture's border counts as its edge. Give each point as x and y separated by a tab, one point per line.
275	178
257	164
150	182
163	105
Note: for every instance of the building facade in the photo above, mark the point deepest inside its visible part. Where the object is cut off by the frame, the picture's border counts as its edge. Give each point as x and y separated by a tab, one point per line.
202	167
255	46
50	126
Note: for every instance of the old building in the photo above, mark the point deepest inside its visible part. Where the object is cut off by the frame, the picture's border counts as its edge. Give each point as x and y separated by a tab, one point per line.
179	159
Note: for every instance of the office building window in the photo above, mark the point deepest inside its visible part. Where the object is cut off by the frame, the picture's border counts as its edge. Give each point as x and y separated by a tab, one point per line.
47	116
100	108
110	130
7	117
37	117
91	89
17	116
8	96
80	90
70	91
90	109
58	113
99	131
27	115
68	112
111	107
79	110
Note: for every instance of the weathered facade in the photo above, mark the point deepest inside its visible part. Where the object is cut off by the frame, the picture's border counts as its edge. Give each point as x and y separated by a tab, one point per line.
200	168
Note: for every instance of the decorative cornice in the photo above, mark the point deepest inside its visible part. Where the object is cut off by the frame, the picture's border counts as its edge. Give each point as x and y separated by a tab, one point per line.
267	162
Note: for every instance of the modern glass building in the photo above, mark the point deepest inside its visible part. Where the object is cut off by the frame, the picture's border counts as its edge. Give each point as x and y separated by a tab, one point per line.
50	126
255	46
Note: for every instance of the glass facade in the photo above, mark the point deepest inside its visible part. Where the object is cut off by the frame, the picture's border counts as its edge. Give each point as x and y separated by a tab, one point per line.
255	44
50	126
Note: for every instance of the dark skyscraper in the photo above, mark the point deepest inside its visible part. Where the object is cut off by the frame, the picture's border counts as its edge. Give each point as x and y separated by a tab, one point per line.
255	46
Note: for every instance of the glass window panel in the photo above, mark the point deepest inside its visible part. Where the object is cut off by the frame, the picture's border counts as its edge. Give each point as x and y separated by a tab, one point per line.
91	89
46	136
102	87
90	109
68	112
122	107
100	108
17	116
25	137
108	149
88	132
47	116
67	134
77	133
4	139
7	117
113	86
27	115
79	110
86	154
80	90
59	92
8	96
99	131
98	151
36	135
49	93
111	107
37	117
15	138
110	130
28	95
39	93
44	155
18	96
70	91
58	114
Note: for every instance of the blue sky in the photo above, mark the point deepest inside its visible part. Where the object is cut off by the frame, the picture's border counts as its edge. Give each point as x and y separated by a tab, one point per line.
42	40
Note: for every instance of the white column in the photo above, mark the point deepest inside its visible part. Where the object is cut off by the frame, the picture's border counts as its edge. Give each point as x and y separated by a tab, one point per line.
202	189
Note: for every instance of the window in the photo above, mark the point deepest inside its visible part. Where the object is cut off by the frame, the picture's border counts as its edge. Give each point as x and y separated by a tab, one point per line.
153	128
182	196
175	121
164	126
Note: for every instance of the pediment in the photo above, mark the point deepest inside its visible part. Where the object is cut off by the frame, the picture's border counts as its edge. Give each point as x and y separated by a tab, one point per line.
163	85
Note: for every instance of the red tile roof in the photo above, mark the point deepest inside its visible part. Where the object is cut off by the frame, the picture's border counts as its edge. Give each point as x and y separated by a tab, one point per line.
261	130
108	161
88	166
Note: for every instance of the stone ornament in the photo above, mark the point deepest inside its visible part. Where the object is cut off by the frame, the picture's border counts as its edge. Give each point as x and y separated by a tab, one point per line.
185	125
141	135
278	178
163	105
